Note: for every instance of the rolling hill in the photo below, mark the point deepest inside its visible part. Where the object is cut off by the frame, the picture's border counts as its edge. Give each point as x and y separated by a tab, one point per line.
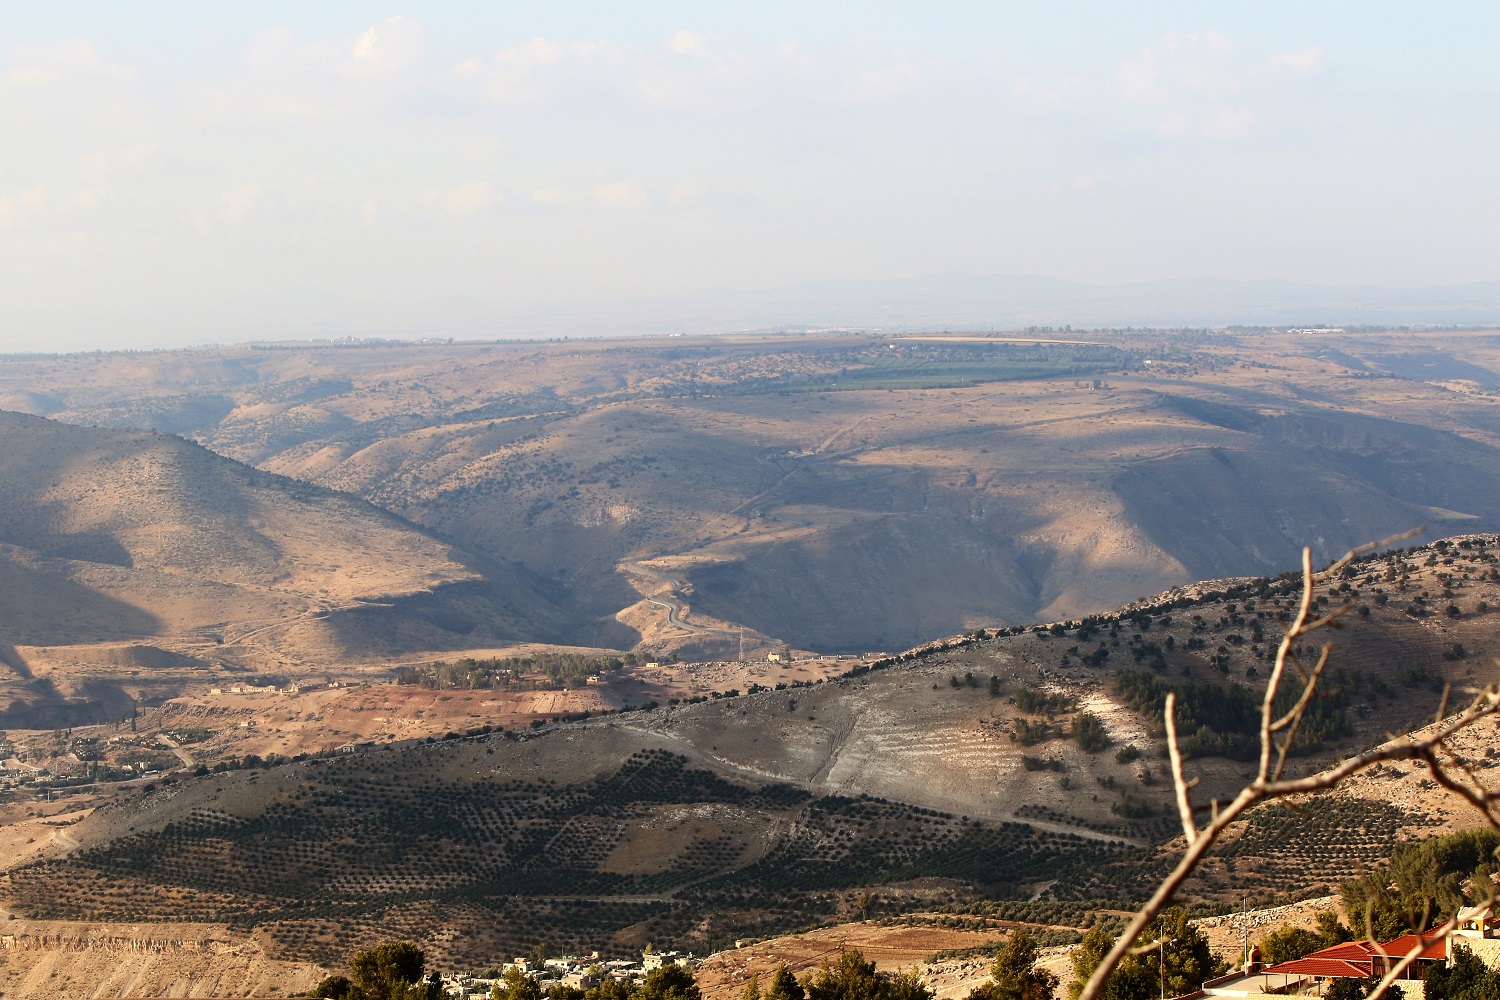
845	492
919	783
137	562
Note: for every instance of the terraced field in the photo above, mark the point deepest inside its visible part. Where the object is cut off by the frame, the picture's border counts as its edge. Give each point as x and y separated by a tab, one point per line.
653	850
946	778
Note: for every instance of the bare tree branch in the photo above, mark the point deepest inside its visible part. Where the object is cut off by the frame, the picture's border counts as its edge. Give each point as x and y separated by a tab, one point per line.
1184	805
1269	782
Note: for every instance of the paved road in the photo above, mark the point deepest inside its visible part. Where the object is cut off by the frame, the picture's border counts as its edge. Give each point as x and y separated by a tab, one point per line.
176	747
674	608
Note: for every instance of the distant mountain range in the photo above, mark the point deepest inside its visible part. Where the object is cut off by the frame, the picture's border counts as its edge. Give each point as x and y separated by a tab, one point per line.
1011	300
966	302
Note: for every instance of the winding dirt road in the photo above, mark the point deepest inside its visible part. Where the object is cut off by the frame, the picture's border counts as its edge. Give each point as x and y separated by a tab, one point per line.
673	606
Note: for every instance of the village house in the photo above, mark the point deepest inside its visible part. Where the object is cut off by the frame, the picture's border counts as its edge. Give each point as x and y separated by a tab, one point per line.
586	973
1478	930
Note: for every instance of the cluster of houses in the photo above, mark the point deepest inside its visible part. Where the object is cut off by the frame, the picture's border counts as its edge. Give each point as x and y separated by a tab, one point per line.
1478	931
578	973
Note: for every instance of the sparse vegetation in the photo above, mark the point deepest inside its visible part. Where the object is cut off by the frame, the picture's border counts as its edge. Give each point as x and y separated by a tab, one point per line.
1422	884
542	670
1089	733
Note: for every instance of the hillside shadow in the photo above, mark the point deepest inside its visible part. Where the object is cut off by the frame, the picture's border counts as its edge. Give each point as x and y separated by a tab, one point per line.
916	560
32	595
45	708
1324	479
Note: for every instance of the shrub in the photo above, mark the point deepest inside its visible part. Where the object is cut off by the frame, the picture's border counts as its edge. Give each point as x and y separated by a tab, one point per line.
1088	731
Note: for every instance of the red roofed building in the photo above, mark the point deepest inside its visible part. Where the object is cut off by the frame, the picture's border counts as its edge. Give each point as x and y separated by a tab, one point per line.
1432	949
1321	968
1362	960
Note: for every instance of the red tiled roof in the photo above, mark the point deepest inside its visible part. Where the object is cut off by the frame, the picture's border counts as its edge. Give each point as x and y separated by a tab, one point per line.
1431	947
1349	951
1355	958
1326	967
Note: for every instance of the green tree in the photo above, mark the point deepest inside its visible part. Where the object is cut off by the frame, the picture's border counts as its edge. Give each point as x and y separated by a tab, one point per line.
784	986
1182	960
391	971
1428	879
1015	975
1466	978
670	982
1088	731
515	985
333	988
752	988
852	978
1330	930
1286	943
1131	981
907	985
609	988
1341	988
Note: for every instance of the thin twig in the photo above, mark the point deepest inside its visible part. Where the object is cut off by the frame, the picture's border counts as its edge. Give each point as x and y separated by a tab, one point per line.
1269	783
1184	806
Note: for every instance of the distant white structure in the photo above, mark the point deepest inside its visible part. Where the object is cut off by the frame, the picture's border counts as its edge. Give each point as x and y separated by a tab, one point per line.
656	959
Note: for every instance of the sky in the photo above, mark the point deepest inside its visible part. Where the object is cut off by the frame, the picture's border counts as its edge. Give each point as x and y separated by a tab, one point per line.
181	172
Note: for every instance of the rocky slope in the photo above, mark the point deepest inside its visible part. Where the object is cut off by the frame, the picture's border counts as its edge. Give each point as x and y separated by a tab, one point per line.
846	493
137	555
904	786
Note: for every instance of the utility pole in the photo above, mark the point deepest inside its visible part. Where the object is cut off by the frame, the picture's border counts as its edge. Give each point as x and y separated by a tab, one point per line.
1161	958
1161	953
1244	933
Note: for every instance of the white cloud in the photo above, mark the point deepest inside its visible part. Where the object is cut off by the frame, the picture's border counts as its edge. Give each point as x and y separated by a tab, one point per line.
1057	189
1181	87
465	199
693	72
239	202
507	75
369	212
1301	61
1042	97
1198	86
883	81
1139	79
621	194
34	199
1228	123
75	58
1178	65
684	193
28	202
391	46
687	43
1171	125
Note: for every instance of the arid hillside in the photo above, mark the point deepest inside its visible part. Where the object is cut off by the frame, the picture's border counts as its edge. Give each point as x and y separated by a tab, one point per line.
956	776
845	493
136	561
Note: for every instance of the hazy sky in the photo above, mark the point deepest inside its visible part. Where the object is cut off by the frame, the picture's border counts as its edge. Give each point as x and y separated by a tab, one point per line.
176	172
